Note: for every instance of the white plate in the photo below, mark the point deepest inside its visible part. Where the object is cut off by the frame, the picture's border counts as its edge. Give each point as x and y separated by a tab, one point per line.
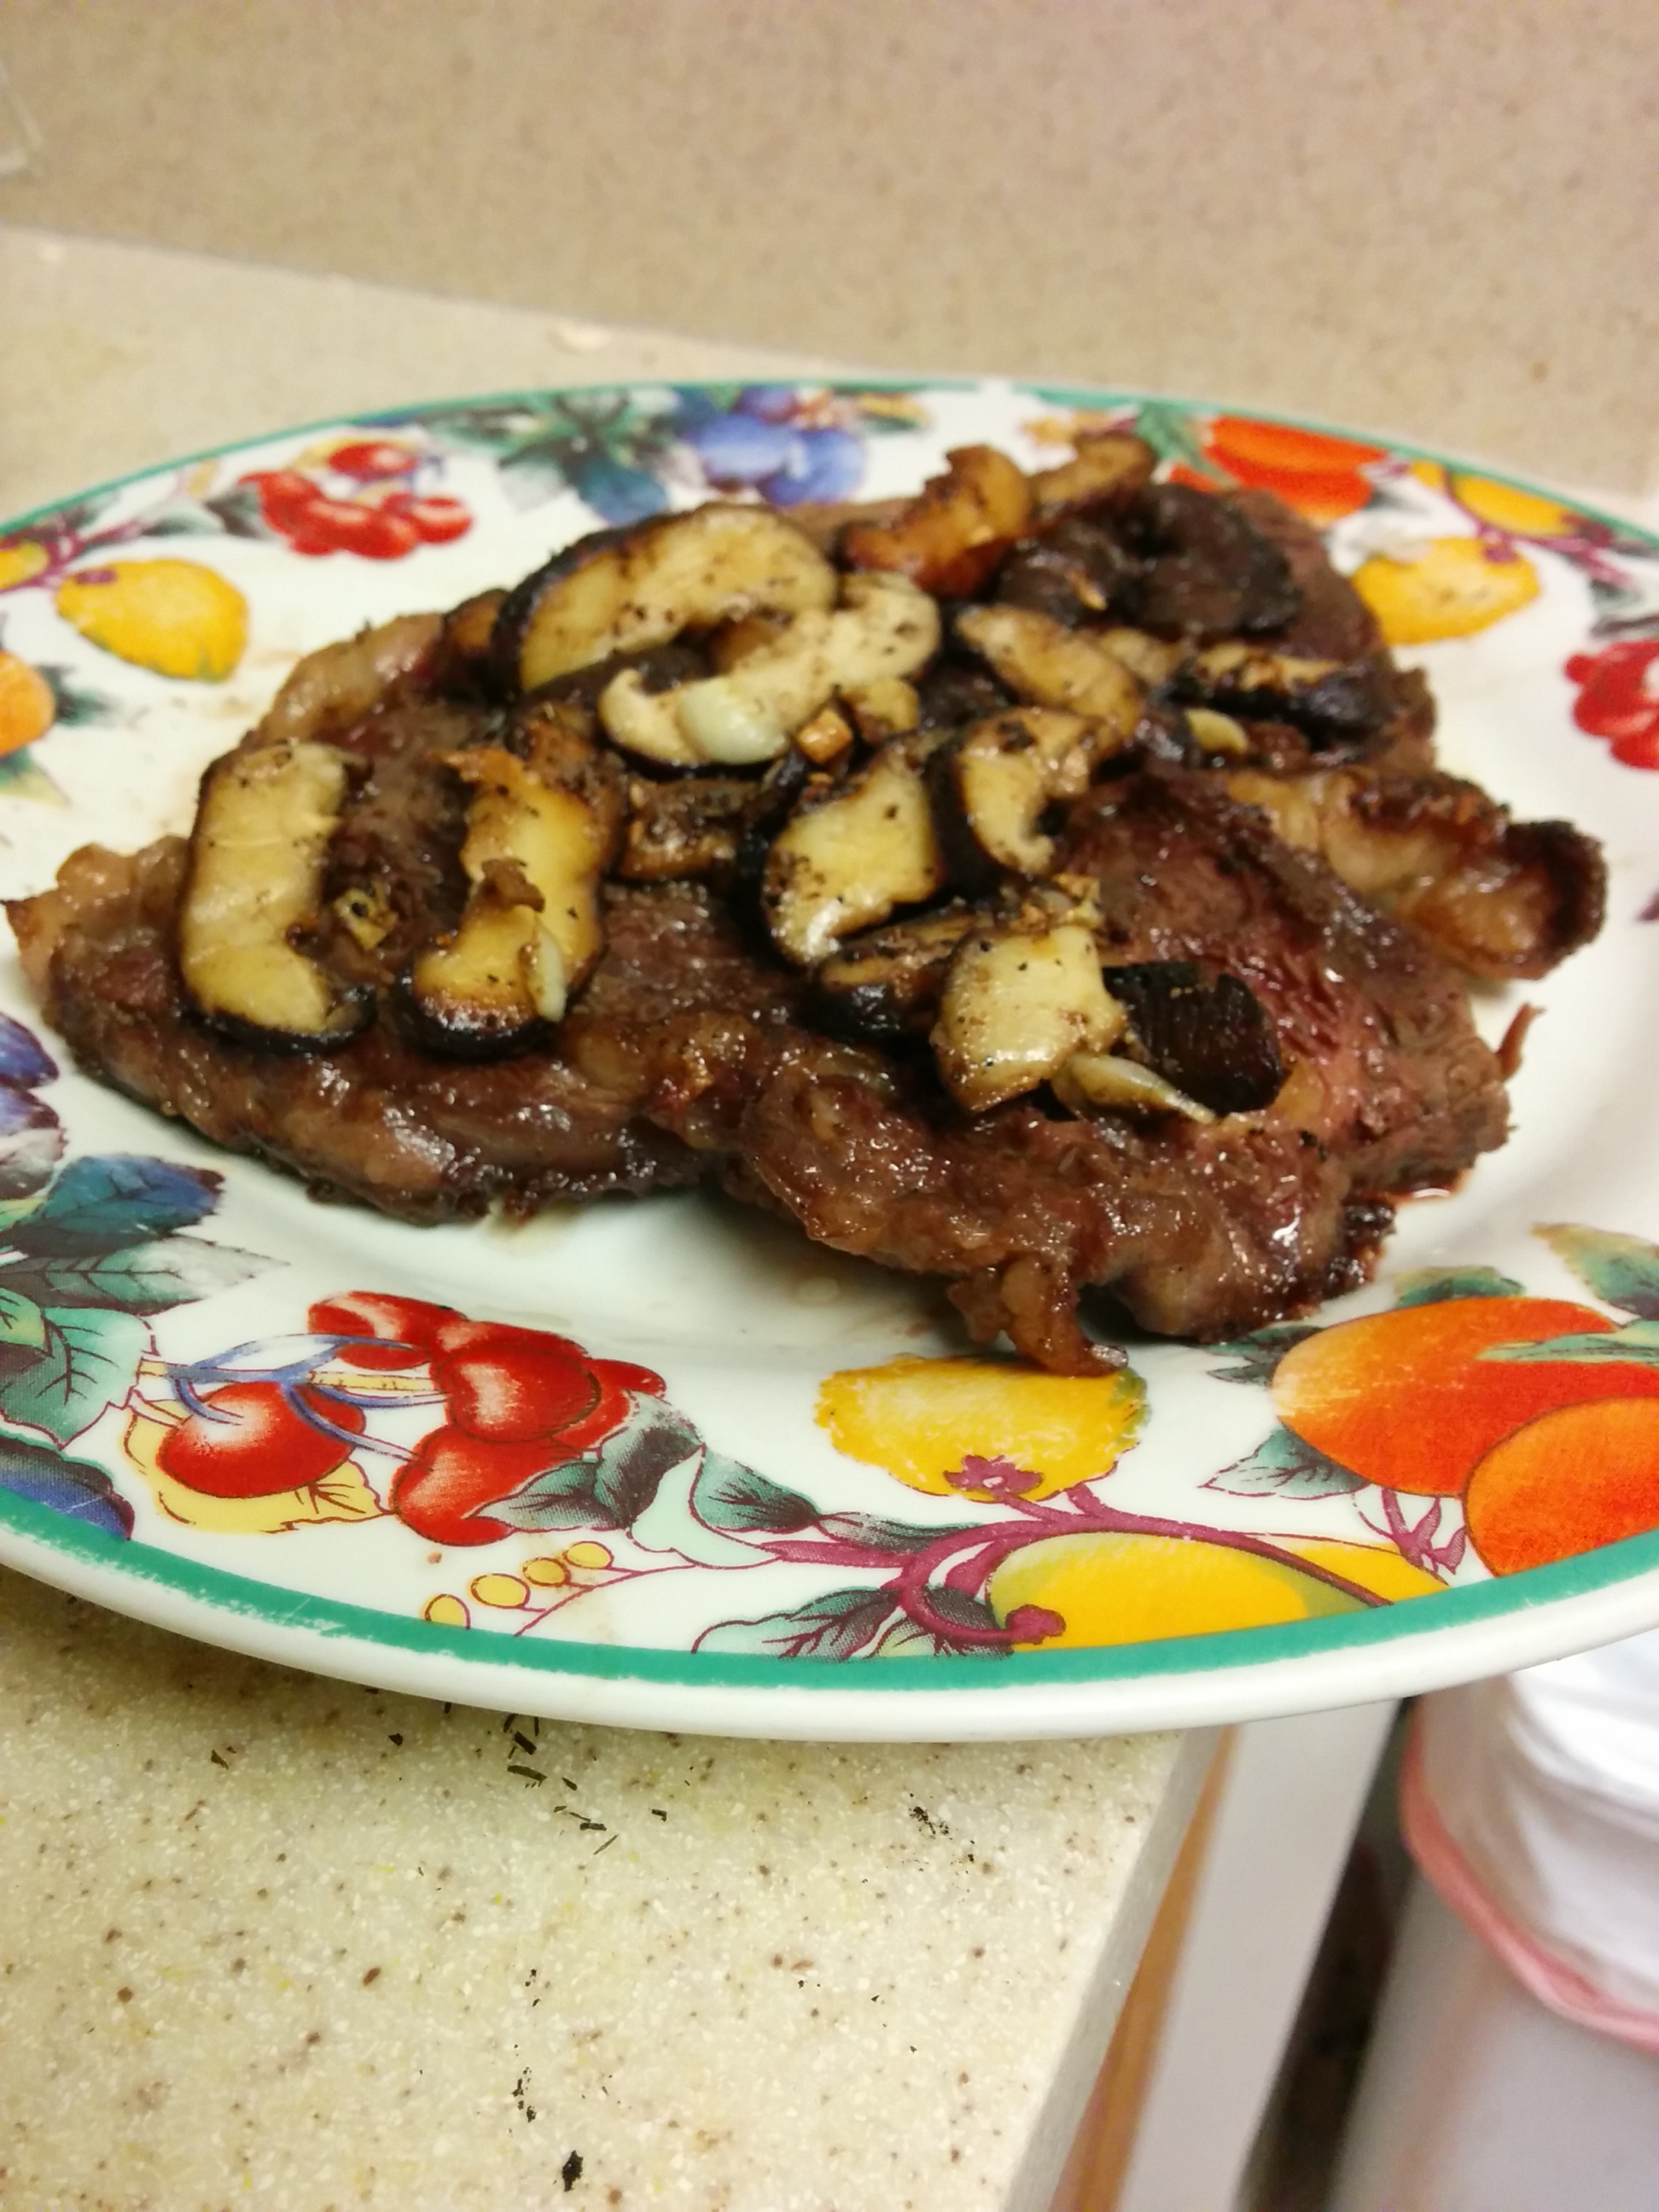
762	1547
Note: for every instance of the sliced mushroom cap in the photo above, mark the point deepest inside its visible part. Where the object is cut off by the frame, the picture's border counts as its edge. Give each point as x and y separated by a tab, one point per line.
257	857
886	983
992	785
847	860
1070	570
884	627
623	590
1053	667
530	933
688	828
1330	699
328	690
1209	572
950	537
1017	1006
1094	1079
1209	1037
1107	469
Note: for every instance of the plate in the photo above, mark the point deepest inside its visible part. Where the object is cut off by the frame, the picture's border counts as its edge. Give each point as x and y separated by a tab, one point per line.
760	1489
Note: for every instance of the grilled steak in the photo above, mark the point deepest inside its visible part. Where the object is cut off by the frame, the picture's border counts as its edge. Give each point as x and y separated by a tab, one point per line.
1099	932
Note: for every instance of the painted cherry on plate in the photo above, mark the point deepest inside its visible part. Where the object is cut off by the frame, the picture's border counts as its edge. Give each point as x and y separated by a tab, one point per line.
1619	698
255	1440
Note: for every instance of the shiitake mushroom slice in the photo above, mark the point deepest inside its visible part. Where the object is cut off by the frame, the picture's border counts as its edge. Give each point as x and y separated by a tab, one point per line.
885	984
253	883
884	627
1207	571
951	536
623	591
845	860
1208	1036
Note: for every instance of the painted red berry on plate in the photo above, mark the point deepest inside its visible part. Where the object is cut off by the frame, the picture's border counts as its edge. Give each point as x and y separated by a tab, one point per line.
406	1328
1619	698
517	1392
441	1492
286	496
436	520
254	1442
371	460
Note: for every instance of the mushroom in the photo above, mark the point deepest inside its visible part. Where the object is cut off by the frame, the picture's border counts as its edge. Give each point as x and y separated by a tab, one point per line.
689	828
1070	570
1209	571
1053	667
1334	699
530	932
623	591
1108	467
886	983
884	627
1090	1079
951	536
1208	1038
1018	1002
992	785
253	881
846	860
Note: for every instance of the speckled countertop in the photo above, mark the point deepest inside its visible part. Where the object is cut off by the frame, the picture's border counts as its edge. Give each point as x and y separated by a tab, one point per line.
280	1940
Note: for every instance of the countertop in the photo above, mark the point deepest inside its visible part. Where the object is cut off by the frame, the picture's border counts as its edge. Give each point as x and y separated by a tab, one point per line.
271	1937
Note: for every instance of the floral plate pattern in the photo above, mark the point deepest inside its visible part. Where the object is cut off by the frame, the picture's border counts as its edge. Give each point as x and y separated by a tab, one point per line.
663	1463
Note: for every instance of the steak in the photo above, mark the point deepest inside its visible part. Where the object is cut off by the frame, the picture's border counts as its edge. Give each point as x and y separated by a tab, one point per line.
1099	945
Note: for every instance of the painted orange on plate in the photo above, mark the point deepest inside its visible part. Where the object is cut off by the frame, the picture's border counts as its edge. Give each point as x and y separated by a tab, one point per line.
1580	1477
1405	1399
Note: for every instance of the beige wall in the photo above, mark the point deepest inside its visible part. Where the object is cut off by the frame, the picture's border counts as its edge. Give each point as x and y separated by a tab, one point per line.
1435	216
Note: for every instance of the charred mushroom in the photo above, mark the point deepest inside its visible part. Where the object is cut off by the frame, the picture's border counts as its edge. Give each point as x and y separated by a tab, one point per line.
1017	1004
688	828
992	785
884	627
1107	469
530	933
951	536
1208	572
847	860
623	590
1332	700
1207	1038
258	858
886	983
1053	667
1070	570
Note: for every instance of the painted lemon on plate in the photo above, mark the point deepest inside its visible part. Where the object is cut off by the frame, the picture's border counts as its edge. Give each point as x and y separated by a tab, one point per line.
1455	588
28	706
1134	1589
21	559
987	1429
174	617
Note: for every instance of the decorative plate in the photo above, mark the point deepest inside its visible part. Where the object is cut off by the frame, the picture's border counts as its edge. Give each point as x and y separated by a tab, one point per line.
703	1475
